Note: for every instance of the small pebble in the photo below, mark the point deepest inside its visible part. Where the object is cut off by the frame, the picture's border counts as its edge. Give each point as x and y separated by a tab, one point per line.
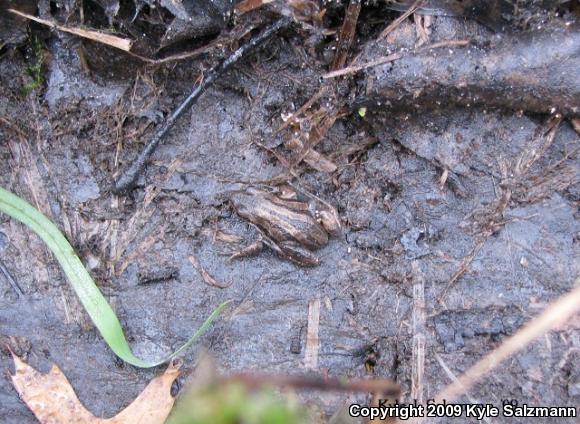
4	241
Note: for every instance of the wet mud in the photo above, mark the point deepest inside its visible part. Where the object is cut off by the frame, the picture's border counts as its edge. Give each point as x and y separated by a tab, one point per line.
404	231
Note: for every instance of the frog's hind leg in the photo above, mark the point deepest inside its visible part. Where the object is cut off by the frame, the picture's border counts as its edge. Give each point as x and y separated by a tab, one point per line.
293	252
251	250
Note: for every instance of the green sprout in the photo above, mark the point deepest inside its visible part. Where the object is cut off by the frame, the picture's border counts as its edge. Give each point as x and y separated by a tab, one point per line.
34	70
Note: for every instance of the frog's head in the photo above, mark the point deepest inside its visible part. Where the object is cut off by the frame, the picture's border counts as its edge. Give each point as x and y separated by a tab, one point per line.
330	221
240	200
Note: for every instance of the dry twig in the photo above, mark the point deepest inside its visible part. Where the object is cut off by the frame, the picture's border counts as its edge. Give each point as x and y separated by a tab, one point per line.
397	22
312	340
100	37
418	364
388	387
126	182
346	34
392	57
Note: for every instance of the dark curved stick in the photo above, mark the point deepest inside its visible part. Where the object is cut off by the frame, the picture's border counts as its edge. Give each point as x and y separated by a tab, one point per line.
126	181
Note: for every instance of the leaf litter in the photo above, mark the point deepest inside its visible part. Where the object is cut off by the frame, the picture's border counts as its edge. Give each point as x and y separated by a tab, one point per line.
53	400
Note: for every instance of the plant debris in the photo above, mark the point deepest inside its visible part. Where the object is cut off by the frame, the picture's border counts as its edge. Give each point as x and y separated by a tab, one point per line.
100	37
456	189
125	183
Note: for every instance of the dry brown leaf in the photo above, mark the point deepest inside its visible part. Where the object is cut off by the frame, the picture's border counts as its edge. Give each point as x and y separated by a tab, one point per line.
53	400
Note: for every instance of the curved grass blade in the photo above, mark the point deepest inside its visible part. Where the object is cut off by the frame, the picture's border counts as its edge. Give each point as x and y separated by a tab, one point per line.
90	296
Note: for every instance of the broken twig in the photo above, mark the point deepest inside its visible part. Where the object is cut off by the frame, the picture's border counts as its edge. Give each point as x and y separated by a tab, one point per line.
312	340
346	34
100	37
401	18
385	386
126	181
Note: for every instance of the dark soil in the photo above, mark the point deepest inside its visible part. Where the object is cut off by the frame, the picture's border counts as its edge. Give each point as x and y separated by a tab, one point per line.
403	233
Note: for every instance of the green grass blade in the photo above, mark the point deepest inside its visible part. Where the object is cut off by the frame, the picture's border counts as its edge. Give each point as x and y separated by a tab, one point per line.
90	296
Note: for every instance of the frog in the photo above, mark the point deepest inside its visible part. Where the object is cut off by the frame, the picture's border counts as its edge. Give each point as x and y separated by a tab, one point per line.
291	226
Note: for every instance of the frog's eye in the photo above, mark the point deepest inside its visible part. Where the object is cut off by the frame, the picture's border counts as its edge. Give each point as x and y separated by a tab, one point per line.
317	217
287	192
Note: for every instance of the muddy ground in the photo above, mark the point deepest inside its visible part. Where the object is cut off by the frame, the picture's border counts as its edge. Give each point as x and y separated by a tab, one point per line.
404	235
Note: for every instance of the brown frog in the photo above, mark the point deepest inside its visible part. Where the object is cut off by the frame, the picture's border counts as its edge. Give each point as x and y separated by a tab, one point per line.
292	228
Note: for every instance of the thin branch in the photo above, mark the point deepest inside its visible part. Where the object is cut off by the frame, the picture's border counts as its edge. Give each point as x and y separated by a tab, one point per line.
392	57
127	180
346	34
100	37
357	68
388	387
397	22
